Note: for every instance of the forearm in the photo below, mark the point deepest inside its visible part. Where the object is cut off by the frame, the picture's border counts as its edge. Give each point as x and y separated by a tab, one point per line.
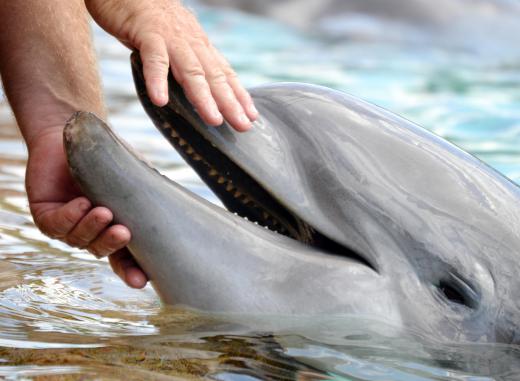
47	63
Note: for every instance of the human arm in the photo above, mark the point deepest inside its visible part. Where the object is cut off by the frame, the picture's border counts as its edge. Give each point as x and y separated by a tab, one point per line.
49	71
169	35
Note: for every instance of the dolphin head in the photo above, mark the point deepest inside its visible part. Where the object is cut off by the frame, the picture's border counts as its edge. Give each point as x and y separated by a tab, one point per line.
342	176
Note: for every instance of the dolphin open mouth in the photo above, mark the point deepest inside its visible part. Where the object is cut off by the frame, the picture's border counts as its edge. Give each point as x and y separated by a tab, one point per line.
238	190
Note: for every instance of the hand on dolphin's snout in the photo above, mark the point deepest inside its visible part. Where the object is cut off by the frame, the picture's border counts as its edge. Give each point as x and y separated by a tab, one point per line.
169	35
61	212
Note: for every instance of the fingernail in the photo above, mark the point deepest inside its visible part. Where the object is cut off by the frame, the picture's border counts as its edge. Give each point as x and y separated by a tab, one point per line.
114	238
245	122
216	115
84	206
253	110
244	119
161	95
102	220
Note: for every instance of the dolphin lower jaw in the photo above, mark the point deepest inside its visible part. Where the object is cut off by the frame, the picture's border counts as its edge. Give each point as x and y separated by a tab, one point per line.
193	249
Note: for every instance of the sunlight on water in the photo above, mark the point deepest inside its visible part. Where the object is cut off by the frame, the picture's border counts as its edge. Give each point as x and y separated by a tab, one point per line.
64	315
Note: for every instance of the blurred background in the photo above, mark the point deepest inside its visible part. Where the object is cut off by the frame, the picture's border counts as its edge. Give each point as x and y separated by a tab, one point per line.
452	66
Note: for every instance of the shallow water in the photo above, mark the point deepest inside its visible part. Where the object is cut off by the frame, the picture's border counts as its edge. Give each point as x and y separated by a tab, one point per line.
64	315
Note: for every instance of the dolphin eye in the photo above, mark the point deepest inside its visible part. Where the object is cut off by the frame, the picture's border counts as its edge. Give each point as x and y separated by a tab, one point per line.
457	291
451	293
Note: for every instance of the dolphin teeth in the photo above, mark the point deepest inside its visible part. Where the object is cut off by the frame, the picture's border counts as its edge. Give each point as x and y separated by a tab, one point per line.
173	133
190	150
182	142
229	187
213	172
265	215
237	194
221	180
196	157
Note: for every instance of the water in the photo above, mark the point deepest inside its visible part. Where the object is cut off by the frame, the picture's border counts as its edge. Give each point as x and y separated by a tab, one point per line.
64	315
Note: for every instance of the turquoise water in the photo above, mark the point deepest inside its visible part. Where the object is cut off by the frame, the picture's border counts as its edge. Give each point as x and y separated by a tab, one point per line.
64	315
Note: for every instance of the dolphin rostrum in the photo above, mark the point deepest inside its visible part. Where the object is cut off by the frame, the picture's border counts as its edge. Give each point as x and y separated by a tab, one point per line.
341	208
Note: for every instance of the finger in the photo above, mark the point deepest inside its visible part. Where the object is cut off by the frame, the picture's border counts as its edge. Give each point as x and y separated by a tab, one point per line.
223	94
89	227
241	93
154	56
111	240
189	73
57	220
125	266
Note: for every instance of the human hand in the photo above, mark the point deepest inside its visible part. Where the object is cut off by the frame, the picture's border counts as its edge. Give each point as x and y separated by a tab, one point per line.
61	212
168	35
36	34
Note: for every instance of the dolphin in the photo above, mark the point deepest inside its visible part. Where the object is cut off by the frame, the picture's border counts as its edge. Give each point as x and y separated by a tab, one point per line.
335	207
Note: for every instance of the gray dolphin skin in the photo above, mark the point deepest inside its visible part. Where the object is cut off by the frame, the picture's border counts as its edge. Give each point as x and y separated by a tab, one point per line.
358	211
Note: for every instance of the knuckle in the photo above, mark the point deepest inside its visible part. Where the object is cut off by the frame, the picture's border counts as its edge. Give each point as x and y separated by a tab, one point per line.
198	42
96	251
100	219
229	72
243	97
68	218
191	73
148	38
156	60
218	77
46	228
105	247
200	101
49	231
75	241
204	38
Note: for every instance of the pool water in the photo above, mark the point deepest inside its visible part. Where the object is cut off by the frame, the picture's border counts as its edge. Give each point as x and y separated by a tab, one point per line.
65	316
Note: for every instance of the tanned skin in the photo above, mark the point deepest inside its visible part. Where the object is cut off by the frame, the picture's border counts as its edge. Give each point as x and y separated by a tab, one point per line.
49	71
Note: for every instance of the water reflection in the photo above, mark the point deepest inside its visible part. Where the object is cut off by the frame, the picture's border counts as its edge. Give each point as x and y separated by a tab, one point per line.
64	315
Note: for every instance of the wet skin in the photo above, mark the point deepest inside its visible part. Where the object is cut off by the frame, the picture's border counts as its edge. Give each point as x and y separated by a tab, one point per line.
373	215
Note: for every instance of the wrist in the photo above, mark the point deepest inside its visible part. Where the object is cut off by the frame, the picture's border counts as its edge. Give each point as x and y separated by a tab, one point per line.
42	115
46	121
44	139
